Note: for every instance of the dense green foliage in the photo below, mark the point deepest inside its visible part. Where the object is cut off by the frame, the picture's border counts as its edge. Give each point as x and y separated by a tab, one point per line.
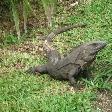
16	6
49	6
13	7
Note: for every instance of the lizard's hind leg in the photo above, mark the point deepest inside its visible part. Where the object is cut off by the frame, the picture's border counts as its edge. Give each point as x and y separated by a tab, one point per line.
52	54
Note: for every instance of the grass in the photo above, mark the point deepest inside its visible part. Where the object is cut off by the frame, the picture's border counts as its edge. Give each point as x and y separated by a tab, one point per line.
20	92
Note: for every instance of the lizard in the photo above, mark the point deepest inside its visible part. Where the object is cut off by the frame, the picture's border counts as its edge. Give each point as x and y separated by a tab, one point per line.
70	66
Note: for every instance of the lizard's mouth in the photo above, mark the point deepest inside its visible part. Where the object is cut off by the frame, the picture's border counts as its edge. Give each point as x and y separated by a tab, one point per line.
100	45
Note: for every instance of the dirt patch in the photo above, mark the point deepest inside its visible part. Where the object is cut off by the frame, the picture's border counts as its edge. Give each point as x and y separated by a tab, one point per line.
104	101
27	47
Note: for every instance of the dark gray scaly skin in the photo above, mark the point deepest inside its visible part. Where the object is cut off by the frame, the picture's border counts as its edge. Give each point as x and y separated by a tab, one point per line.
69	67
61	30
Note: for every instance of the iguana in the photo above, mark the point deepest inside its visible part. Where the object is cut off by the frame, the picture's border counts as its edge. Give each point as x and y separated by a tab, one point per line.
70	66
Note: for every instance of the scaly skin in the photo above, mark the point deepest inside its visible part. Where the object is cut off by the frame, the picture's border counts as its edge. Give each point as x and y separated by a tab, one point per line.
69	67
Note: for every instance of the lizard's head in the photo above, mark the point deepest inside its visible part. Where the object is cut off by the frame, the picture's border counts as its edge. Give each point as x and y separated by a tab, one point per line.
92	48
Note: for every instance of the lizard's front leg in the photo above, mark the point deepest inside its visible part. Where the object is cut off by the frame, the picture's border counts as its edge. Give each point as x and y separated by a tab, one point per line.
72	74
37	69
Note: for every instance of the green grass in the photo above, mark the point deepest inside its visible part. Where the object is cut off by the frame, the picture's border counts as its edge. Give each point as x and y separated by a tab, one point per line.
20	92
26	93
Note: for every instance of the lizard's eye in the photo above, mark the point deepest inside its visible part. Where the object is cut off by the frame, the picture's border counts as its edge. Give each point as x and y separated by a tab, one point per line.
94	44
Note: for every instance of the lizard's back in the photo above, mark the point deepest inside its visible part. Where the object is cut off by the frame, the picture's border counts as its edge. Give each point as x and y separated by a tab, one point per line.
61	69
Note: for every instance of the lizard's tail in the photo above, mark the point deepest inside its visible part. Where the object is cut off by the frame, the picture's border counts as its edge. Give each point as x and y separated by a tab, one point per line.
63	29
47	46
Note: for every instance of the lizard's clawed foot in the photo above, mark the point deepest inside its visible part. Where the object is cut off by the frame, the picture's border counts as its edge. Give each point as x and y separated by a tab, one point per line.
76	86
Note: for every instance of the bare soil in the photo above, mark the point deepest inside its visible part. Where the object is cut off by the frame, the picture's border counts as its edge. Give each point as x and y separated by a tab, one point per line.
104	101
